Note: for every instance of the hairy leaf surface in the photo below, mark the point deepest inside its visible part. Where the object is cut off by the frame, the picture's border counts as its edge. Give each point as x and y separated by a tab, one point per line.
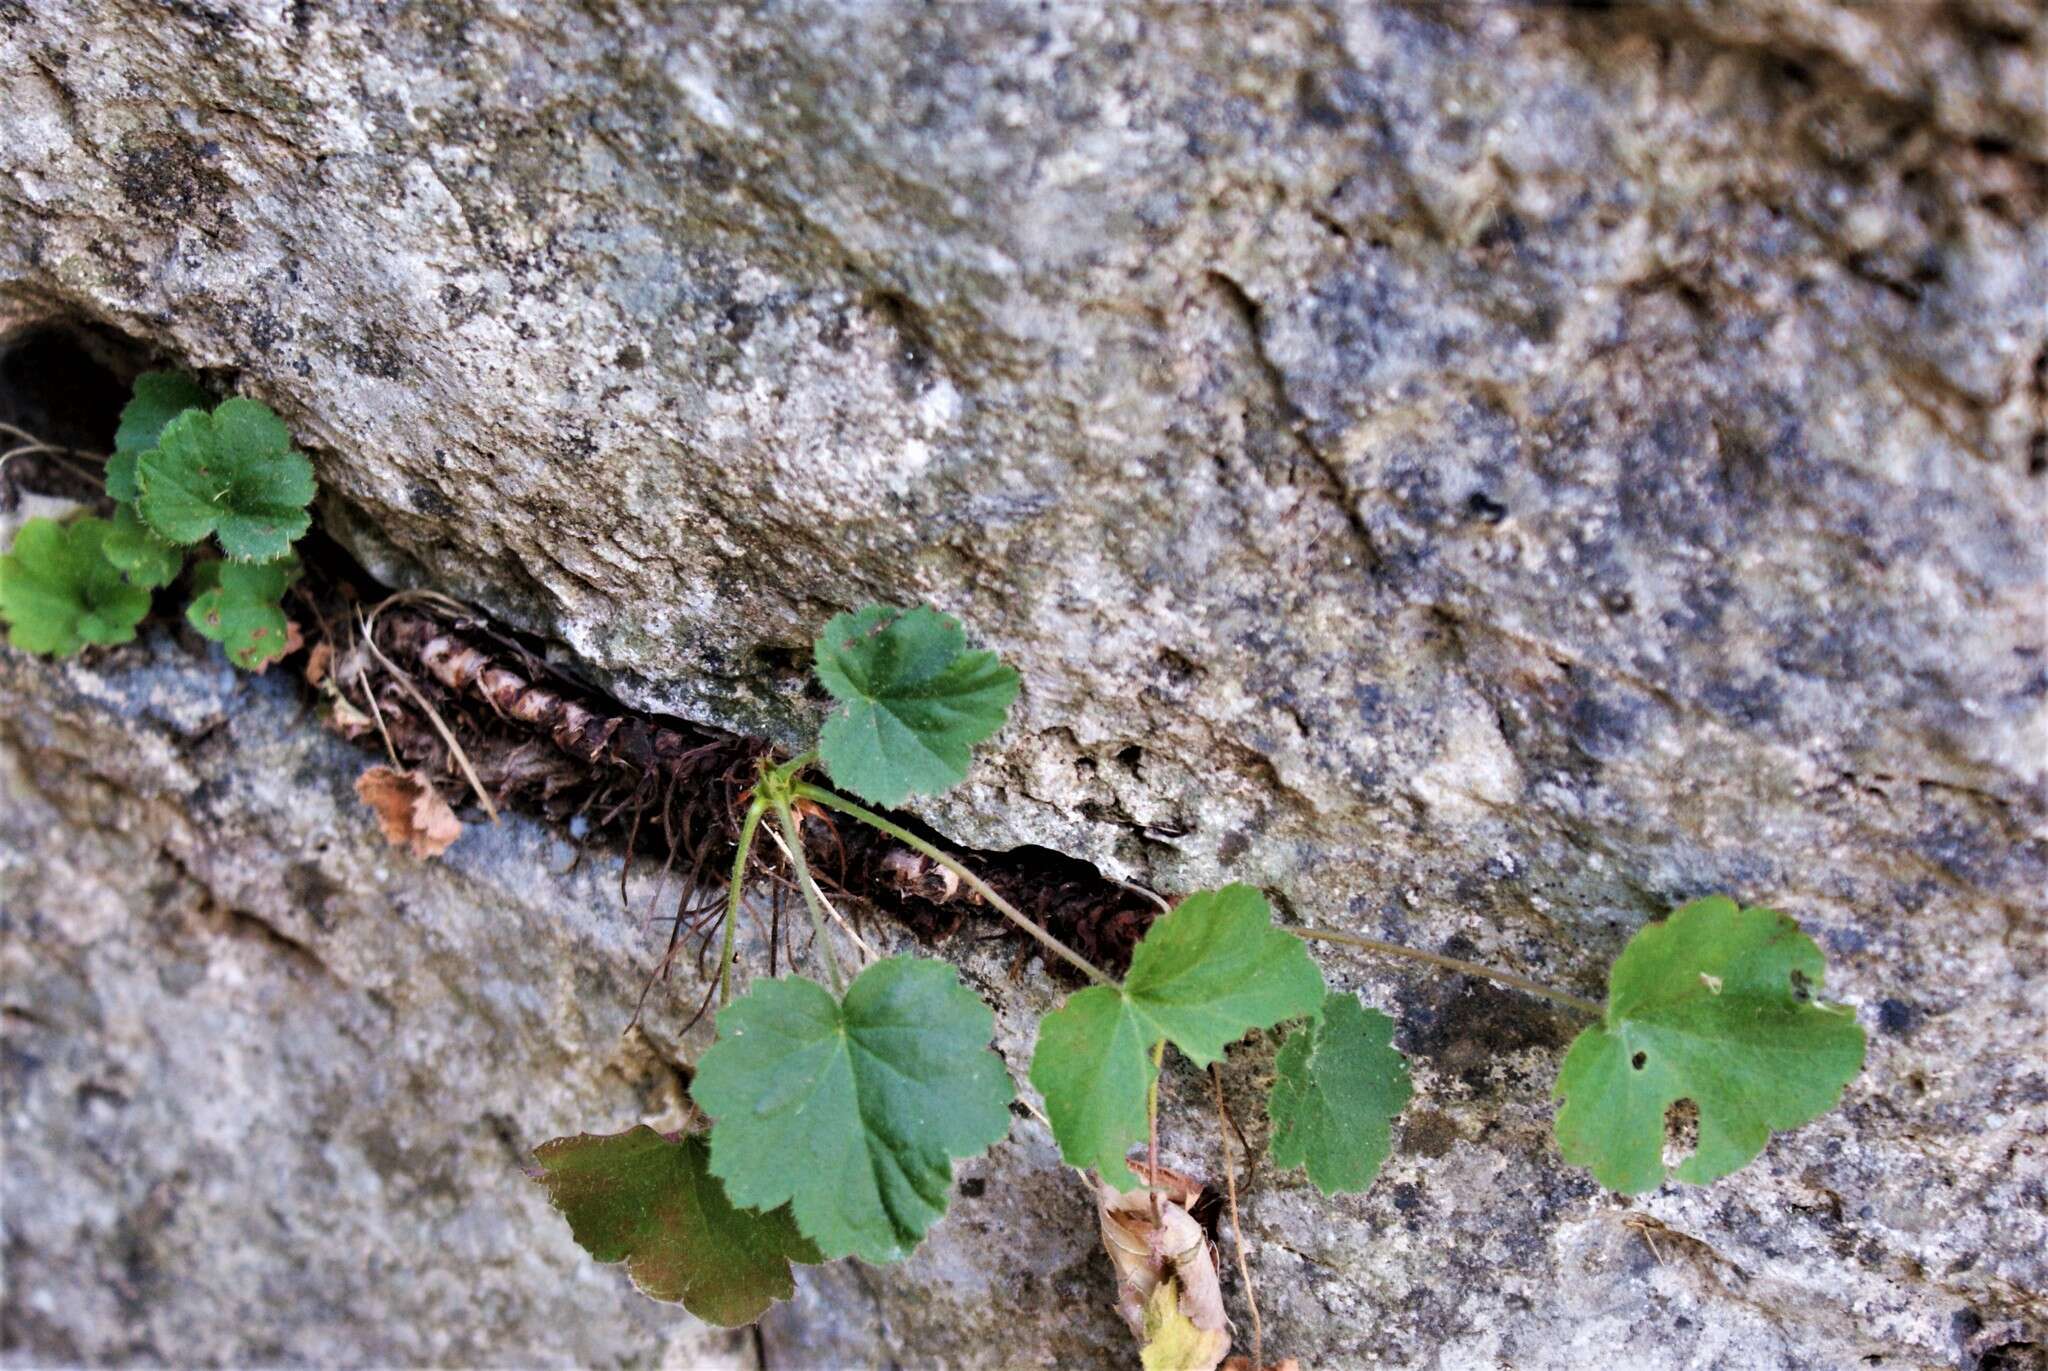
913	701
1339	1083
133	546
852	1112
1202	977
159	397
639	1198
59	592
1713	1005
239	605
232	473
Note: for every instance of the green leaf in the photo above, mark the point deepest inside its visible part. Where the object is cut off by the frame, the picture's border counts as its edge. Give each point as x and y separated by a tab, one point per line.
1338	1085
232	473
913	701
133	546
1203	976
59	592
852	1112
1093	1064
1712	1006
239	605
159	397
636	1197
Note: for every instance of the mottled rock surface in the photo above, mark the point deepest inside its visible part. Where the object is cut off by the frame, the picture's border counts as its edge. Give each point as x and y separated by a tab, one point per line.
1483	474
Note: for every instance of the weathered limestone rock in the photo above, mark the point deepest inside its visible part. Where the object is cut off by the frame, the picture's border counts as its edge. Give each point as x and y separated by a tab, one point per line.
1484	475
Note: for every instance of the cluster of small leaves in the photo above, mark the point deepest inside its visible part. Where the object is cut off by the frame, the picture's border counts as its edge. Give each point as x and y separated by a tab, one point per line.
179	474
836	1118
59	591
1206	974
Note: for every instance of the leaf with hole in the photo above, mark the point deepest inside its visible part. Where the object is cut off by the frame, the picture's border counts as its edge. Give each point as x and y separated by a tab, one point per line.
159	397
852	1110
1204	975
147	560
59	592
1713	1005
639	1198
239	605
913	701
233	474
1338	1085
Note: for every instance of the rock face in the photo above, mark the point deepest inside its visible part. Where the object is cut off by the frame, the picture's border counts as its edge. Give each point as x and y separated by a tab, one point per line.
1485	475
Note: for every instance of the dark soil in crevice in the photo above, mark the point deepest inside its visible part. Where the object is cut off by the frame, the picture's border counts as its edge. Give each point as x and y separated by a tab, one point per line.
541	742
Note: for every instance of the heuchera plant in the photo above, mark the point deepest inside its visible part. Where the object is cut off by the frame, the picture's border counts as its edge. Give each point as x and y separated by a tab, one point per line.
179	475
837	1108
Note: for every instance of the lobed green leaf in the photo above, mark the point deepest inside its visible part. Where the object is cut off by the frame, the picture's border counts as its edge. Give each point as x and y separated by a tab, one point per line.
240	606
233	474
639	1198
852	1111
59	592
1204	975
133	547
159	397
1338	1084
913	701
1713	1005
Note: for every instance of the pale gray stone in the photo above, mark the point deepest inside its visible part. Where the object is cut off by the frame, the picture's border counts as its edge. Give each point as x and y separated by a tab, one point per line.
1484	474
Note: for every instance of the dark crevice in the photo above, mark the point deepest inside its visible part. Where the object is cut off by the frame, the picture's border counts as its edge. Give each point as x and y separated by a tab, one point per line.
1247	311
541	741
66	383
669	789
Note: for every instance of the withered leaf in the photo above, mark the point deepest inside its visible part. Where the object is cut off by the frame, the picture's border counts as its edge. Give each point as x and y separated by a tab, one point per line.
1151	1254
409	810
1172	1340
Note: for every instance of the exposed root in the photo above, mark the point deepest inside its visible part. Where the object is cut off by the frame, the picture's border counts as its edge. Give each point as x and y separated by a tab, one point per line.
448	694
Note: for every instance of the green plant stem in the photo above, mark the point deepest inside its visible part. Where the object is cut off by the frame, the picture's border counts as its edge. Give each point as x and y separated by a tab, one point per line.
786	772
1244	1270
819	795
748	827
1416	954
813	905
1152	1126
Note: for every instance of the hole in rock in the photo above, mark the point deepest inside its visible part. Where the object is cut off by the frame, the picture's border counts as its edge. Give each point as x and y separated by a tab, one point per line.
545	742
2014	1356
64	384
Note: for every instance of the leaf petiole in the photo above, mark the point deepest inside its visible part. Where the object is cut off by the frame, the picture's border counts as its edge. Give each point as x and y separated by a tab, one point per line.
748	826
1416	954
819	795
813	904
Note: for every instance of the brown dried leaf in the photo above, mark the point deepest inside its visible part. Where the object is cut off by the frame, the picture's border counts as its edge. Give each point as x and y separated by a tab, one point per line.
317	662
1148	1253
1243	1363
344	718
409	810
